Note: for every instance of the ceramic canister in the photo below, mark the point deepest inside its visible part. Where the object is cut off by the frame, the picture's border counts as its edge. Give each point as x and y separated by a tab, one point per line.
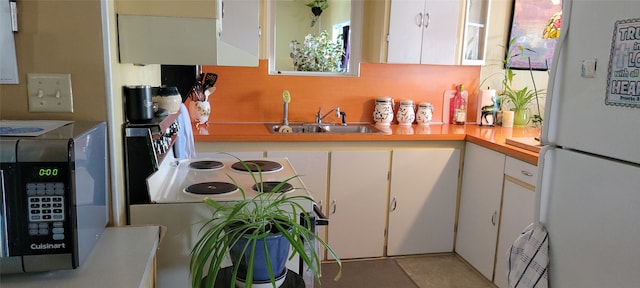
406	115
425	113
383	112
168	98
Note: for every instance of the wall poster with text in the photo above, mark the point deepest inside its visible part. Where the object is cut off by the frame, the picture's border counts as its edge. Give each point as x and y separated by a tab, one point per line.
623	83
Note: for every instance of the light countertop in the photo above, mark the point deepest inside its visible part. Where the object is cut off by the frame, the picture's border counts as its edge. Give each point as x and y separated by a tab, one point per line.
123	257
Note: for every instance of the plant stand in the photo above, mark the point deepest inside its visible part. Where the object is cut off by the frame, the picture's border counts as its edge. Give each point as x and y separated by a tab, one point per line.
293	280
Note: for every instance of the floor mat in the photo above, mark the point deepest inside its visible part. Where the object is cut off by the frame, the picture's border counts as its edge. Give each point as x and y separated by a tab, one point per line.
367	273
438	271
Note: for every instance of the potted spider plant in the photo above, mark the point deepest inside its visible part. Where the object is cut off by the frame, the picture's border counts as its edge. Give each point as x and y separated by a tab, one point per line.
520	99
258	234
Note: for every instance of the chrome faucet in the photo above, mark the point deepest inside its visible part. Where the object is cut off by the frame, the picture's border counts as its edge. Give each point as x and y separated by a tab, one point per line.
320	117
285	114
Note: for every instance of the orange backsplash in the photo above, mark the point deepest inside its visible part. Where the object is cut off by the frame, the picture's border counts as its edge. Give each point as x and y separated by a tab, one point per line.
250	94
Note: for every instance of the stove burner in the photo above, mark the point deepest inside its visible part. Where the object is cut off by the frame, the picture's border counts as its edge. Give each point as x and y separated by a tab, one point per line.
208	188
206	165
253	165
268	186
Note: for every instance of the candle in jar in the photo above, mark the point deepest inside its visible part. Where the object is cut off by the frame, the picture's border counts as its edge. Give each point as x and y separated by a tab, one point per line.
507	118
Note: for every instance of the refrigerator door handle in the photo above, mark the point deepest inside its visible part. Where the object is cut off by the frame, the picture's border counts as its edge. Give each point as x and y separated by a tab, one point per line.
540	182
566	15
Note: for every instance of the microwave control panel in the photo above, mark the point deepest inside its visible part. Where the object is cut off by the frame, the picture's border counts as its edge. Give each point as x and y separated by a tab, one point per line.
47	206
46	209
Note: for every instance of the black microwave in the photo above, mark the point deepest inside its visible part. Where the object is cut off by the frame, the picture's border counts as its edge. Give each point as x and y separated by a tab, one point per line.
54	195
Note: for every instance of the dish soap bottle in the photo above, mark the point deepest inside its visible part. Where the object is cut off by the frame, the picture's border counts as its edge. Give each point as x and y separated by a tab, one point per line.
458	107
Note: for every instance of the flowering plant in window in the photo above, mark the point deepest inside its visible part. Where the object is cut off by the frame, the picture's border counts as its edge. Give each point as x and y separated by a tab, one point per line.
318	53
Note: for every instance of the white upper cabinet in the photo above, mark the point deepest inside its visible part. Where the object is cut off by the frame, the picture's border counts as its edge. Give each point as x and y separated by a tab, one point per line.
423	32
189	32
475	32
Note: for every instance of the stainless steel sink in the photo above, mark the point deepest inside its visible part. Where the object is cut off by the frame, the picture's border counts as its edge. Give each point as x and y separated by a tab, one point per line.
325	128
352	129
297	129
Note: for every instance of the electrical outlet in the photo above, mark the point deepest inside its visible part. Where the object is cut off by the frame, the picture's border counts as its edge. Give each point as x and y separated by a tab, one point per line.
49	92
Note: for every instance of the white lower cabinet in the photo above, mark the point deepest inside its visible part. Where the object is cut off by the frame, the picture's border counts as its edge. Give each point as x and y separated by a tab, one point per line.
423	196
313	169
358	185
496	204
518	203
480	207
517	212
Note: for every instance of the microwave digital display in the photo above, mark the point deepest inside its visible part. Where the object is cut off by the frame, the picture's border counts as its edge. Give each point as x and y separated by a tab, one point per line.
47	171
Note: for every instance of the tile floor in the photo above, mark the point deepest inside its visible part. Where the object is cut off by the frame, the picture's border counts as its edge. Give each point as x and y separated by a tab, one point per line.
422	271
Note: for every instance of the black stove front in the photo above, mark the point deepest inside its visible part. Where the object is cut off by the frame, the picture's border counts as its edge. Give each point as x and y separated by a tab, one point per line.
146	146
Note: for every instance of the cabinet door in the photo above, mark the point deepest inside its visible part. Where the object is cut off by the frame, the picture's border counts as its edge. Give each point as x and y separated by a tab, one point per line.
423	32
422	211
183	8
358	202
476	28
313	167
440	34
479	207
518	203
405	31
239	40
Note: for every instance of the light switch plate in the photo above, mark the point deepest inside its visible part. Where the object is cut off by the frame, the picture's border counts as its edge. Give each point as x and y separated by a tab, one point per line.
49	92
589	68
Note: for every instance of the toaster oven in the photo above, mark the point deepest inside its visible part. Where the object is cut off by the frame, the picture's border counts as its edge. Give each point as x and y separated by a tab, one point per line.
53	206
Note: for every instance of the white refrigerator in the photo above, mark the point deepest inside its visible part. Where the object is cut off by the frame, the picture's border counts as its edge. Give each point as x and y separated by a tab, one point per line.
590	166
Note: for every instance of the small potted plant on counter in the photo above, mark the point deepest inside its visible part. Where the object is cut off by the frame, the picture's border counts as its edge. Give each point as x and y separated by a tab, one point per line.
258	234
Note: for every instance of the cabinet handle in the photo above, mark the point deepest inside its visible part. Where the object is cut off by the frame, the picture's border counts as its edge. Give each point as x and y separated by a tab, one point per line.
333	207
394	204
419	19
428	20
526	173
493	217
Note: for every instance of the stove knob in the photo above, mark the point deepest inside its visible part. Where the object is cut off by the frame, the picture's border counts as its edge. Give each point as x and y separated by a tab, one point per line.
165	142
175	127
160	146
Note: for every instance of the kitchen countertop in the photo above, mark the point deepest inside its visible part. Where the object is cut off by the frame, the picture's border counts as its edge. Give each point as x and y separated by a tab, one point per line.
491	137
123	257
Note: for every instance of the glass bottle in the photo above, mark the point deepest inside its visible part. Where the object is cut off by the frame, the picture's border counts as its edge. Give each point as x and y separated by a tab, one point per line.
458	107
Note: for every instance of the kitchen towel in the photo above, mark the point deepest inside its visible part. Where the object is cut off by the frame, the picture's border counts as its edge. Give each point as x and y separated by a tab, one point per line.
529	258
185	146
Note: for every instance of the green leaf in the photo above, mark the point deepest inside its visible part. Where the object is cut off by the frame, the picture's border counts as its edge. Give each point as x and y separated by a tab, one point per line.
252	218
